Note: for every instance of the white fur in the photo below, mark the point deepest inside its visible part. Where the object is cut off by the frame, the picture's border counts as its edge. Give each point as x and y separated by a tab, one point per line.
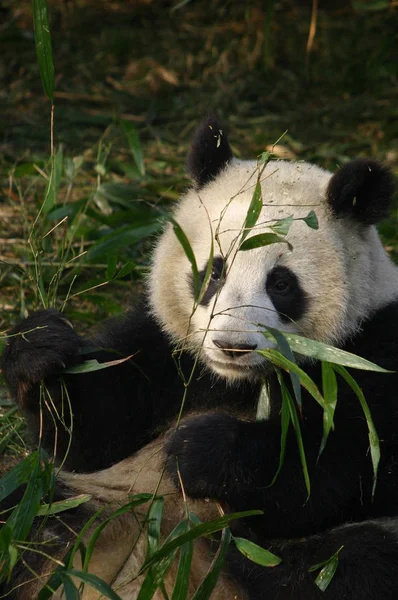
342	266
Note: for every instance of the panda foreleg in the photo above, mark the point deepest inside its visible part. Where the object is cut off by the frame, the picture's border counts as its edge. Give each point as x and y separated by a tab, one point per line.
234	461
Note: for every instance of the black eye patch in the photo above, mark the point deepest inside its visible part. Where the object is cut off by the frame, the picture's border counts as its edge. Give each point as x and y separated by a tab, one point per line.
217	278
286	293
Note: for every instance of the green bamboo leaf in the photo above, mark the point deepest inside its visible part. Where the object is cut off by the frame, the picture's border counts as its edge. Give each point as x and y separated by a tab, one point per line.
207	276
285	422
254	211
70	590
181	584
282	226
95	582
134	145
120	238
296	424
281	361
329	389
263	239
208	584
373	437
324	352
43	47
154	522
17	476
204	529
311	220
256	553
93	365
182	238
137	500
286	351
328	570
60	506
159	568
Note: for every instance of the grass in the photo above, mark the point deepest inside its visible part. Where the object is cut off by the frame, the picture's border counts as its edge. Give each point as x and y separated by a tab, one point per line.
132	79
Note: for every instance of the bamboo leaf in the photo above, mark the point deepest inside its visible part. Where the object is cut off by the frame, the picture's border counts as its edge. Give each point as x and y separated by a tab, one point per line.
93	365
254	211
181	584
281	361
329	389
324	352
263	239
43	47
296	424
134	145
285	422
256	553
373	437
208	584
60	506
311	220
282	226
201	530
95	582
328	570
182	238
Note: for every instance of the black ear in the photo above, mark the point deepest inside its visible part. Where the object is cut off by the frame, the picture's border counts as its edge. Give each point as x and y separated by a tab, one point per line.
210	152
362	189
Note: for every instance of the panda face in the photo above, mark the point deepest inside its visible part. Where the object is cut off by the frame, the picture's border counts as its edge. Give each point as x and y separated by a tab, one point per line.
321	286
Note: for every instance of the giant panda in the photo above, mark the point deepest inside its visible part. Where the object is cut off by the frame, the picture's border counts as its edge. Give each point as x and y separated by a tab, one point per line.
334	284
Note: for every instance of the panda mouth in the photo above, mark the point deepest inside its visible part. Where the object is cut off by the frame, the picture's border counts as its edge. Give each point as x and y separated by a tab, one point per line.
228	369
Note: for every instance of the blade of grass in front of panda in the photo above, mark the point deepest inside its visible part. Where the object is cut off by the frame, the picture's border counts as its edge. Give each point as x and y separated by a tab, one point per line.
204	529
181	585
70	591
137	500
253	212
160	566
255	553
285	422
296	424
208	272
320	351
373	437
278	359
153	531
95	582
182	238
208	584
329	389
285	349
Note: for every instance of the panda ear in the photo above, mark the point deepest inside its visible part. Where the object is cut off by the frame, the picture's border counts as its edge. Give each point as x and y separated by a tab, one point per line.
210	152
362	189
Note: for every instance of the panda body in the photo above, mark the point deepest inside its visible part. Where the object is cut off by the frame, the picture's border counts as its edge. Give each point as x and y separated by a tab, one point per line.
334	284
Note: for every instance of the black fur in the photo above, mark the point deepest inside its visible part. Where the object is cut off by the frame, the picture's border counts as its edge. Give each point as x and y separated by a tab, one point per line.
291	302
116	410
362	189
210	152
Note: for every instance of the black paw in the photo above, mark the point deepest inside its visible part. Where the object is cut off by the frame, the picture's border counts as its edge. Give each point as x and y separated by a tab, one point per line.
204	450
39	347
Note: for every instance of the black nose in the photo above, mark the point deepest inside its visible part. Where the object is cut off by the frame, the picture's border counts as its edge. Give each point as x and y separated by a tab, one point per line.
232	349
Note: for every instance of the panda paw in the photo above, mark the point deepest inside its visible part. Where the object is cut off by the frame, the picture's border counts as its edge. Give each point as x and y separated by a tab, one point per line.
39	347
203	453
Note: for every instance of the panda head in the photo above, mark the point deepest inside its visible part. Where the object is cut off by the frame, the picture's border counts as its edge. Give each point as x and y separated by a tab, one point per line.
322	285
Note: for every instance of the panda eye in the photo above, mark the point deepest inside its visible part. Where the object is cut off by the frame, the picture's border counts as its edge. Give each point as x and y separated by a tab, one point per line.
217	270
281	286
